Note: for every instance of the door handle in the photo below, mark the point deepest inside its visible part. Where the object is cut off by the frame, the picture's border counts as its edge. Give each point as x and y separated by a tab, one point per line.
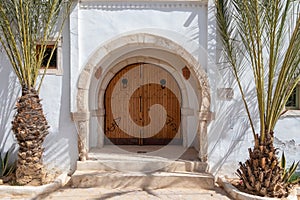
141	102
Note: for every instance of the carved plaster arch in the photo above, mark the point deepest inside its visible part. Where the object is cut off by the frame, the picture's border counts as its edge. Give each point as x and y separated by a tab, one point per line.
121	46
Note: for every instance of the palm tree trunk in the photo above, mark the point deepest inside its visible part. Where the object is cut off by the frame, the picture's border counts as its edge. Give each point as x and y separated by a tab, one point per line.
30	128
261	174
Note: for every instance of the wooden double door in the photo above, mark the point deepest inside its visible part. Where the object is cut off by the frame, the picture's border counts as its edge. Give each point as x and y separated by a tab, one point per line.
142	107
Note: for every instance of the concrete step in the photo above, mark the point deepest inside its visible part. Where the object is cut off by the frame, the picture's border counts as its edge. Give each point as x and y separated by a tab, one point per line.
126	161
154	180
143	165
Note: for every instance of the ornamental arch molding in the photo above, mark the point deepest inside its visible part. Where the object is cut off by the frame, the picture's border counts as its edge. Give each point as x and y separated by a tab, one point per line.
116	54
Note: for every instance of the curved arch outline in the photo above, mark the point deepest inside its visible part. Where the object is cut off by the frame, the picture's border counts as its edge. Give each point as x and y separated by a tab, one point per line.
130	43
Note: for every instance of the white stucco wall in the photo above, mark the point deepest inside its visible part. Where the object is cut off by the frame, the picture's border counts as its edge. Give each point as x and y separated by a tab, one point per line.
9	91
98	24
61	144
93	24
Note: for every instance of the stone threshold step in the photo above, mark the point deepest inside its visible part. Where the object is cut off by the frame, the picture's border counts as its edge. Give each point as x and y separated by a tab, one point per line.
143	165
154	180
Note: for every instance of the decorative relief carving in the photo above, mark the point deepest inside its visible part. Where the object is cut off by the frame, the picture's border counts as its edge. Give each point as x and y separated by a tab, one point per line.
80	116
83	82
225	94
206	116
82	100
98	73
82	143
186	73
119	5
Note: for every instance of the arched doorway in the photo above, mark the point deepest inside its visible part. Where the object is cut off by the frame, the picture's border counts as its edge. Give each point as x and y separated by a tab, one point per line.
102	67
142	107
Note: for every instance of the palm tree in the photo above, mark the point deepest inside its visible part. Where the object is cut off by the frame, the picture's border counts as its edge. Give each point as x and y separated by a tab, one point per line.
25	28
262	37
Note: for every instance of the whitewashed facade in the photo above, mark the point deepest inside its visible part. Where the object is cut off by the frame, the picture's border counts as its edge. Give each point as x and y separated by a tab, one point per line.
103	37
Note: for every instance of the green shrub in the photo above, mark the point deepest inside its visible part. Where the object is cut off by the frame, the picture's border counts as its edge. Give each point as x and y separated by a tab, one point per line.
7	167
295	178
289	174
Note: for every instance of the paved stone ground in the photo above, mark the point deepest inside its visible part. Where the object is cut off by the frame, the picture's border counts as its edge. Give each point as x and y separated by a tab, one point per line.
134	194
68	193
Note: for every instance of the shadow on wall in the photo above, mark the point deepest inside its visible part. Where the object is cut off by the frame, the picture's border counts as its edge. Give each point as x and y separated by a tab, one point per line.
9	91
61	152
61	143
229	134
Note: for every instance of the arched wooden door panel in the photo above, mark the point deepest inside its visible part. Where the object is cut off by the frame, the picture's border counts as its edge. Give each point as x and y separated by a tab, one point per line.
142	104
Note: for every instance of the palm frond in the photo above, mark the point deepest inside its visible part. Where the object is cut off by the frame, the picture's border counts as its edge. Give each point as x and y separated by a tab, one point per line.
24	24
227	30
262	37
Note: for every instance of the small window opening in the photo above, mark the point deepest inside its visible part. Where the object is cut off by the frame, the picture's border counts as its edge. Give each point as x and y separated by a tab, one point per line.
53	61
293	101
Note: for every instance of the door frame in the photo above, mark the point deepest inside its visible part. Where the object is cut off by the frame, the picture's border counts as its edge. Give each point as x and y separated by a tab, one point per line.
100	112
156	141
